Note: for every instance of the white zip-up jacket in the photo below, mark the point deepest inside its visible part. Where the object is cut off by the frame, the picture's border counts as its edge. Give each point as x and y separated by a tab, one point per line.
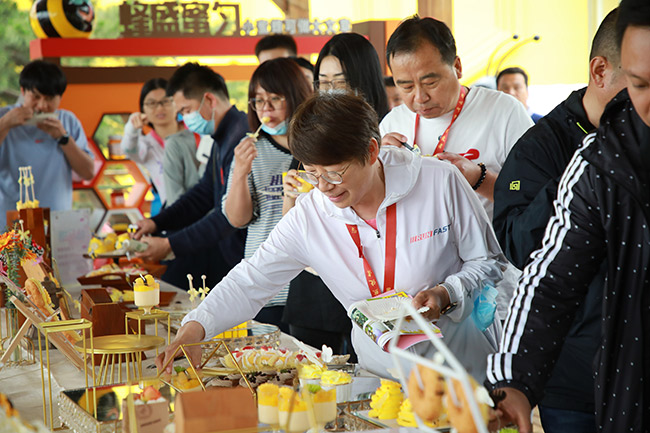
443	234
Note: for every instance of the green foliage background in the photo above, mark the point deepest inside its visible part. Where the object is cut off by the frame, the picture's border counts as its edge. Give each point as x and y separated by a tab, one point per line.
15	34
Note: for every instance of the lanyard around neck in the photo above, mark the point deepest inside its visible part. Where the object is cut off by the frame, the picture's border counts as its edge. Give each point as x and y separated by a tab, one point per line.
391	246
157	137
443	138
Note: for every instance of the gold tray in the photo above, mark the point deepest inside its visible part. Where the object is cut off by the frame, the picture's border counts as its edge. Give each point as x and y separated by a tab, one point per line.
113	344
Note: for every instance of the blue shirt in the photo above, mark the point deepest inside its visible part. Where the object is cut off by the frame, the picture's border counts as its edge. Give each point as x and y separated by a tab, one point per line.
27	145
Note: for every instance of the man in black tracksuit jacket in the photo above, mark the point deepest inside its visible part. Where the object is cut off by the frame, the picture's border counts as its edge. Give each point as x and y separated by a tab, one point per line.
523	204
602	211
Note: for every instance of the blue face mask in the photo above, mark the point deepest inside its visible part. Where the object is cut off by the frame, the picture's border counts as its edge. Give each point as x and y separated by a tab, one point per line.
280	129
179	117
196	123
485	306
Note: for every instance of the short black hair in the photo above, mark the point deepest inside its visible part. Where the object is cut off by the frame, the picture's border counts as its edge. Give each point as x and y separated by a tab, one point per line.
276	41
361	66
153	84
43	76
408	36
389	81
194	80
303	63
332	128
514	70
283	77
605	43
631	13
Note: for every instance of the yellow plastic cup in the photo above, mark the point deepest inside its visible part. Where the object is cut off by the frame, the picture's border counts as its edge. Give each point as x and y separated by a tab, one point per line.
304	185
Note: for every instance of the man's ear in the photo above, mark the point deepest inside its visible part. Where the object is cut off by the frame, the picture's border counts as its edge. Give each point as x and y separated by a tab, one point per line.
597	70
458	67
211	99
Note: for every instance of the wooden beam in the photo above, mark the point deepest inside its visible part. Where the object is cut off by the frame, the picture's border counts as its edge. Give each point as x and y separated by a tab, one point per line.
441	10
294	8
375	31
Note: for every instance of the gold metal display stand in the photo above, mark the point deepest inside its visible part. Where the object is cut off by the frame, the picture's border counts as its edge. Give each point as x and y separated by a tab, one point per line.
113	347
182	347
47	328
154	315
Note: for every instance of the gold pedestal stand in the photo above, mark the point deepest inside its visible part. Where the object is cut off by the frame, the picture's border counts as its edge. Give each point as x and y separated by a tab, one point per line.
113	347
47	328
154	315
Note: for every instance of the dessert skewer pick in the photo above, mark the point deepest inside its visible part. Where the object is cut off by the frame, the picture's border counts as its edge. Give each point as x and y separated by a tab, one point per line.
256	134
31	183
192	292
20	184
203	290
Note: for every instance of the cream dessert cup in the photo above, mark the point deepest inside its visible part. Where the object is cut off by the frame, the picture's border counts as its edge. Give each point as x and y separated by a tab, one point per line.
309	374
292	411
325	410
340	381
146	294
267	404
304	185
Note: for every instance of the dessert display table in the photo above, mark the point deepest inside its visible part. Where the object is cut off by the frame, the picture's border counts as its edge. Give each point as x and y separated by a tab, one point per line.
22	384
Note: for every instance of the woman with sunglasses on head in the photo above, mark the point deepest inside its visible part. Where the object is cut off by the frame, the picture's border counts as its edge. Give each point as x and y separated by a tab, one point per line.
145	135
375	222
254	194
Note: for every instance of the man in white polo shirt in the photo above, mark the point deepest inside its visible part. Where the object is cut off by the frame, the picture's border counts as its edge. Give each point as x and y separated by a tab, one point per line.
472	128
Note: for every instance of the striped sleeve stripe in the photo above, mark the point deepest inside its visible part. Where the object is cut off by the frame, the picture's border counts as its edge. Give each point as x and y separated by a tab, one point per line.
555	232
500	367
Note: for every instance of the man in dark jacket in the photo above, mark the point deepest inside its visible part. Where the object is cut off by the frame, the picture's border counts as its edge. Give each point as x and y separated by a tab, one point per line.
203	241
523	204
602	211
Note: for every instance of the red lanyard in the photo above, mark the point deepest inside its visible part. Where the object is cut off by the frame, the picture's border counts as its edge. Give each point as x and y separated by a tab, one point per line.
391	244
443	138
158	138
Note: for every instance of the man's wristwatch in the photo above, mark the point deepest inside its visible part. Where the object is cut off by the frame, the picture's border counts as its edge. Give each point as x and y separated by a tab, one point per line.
63	140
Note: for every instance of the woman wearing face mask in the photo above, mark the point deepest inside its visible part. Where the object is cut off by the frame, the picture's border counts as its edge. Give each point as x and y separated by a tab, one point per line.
146	132
254	193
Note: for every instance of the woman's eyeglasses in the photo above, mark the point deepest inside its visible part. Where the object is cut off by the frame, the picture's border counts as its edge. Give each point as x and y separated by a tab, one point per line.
339	83
165	103
275	103
333	177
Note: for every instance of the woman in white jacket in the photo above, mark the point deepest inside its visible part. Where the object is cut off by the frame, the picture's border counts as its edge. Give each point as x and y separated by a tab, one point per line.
421	230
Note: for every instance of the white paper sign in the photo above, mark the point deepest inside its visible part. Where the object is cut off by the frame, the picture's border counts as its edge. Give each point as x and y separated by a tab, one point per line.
70	237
